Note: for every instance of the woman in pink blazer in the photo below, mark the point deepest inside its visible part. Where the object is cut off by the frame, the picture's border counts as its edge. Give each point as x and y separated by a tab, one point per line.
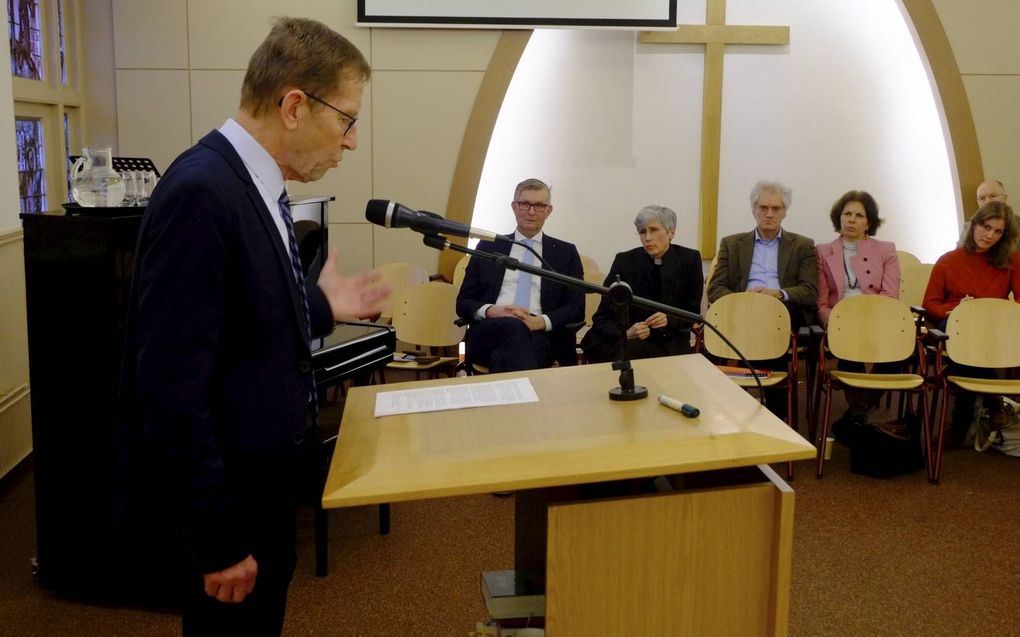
855	263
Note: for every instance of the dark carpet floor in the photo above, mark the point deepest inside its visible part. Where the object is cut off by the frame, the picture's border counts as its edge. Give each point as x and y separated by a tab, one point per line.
871	557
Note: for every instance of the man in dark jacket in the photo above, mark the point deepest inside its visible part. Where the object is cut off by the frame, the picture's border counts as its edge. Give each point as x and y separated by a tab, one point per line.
217	391
519	320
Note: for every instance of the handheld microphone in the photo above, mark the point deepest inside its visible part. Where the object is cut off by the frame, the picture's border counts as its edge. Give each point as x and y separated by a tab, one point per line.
391	214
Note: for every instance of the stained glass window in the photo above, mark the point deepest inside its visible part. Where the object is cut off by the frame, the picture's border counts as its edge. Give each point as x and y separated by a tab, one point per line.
31	163
61	41
67	145
26	38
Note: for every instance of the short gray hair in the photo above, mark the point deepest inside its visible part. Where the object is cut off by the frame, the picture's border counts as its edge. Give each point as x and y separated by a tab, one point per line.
532	184
771	186
662	214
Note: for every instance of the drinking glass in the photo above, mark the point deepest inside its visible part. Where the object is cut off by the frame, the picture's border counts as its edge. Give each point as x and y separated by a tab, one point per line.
148	183
131	181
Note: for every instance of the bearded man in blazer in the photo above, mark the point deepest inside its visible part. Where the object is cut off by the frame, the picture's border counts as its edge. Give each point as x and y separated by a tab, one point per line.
520	321
770	260
217	388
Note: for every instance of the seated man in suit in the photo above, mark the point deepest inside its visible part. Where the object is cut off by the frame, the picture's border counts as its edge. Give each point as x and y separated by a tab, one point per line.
770	260
518	319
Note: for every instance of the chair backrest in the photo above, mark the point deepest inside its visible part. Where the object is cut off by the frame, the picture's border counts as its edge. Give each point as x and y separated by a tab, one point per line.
591	301
460	270
914	281
871	329
984	333
905	258
757	324
401	276
711	269
424	315
589	265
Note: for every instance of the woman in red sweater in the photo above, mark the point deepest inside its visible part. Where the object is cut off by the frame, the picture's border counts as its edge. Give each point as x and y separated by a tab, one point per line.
986	265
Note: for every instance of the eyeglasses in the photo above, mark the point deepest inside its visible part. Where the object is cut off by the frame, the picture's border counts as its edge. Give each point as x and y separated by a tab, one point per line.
539	206
354	120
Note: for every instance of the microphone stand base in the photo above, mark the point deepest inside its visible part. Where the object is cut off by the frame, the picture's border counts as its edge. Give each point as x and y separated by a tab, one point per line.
637	393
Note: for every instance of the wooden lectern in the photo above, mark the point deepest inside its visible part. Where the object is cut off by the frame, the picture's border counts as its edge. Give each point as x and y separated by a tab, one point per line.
710	557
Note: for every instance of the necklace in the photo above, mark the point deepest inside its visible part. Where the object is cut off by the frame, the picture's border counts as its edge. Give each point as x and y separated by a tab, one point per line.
848	268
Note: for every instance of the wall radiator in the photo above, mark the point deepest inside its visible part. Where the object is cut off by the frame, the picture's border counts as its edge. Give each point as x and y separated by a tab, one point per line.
15	428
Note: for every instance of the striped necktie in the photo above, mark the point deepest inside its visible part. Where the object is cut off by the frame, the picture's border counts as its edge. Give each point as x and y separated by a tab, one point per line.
299	278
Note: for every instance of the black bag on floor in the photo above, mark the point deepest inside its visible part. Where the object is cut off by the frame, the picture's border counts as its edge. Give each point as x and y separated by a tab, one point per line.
879	455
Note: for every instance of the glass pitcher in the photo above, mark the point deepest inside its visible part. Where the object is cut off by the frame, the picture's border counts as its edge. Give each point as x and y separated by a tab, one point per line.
94	182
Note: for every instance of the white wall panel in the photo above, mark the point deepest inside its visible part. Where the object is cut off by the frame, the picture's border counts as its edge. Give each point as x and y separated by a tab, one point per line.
151	34
223	34
153	114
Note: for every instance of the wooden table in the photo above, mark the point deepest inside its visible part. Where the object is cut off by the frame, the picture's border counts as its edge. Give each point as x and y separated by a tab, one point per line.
712	558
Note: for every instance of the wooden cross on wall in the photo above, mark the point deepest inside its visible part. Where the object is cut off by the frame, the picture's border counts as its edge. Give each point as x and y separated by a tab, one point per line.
715	34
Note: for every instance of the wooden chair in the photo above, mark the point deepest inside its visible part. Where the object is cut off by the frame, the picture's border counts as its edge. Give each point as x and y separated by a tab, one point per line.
589	265
906	259
460	270
872	329
424	315
982	333
759	326
401	276
913	282
711	270
591	305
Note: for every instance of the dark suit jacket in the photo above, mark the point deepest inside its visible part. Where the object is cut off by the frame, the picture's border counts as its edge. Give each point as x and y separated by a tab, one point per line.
798	268
682	285
563	305
216	369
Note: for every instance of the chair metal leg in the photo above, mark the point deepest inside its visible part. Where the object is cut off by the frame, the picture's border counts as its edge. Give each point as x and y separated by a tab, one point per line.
791	415
926	416
824	431
809	390
937	460
384	519
816	402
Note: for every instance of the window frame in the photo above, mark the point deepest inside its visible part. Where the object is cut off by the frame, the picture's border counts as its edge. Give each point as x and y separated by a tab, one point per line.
49	99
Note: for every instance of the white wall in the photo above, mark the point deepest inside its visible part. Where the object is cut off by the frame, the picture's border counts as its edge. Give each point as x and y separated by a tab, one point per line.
984	39
180	65
614	125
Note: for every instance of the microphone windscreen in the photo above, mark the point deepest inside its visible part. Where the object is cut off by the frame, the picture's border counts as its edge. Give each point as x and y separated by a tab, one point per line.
375	212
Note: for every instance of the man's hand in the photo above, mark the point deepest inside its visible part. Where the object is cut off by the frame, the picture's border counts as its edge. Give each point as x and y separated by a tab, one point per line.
496	311
640	331
534	323
761	289
358	296
657	321
234	583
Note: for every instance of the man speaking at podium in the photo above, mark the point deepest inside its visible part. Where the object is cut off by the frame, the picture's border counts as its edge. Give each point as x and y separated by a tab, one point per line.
519	320
217	391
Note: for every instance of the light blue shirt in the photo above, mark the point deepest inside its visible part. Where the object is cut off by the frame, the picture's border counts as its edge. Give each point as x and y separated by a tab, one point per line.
765	264
264	171
508	290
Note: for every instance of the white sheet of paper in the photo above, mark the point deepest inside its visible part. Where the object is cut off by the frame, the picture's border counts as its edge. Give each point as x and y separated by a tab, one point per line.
411	401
